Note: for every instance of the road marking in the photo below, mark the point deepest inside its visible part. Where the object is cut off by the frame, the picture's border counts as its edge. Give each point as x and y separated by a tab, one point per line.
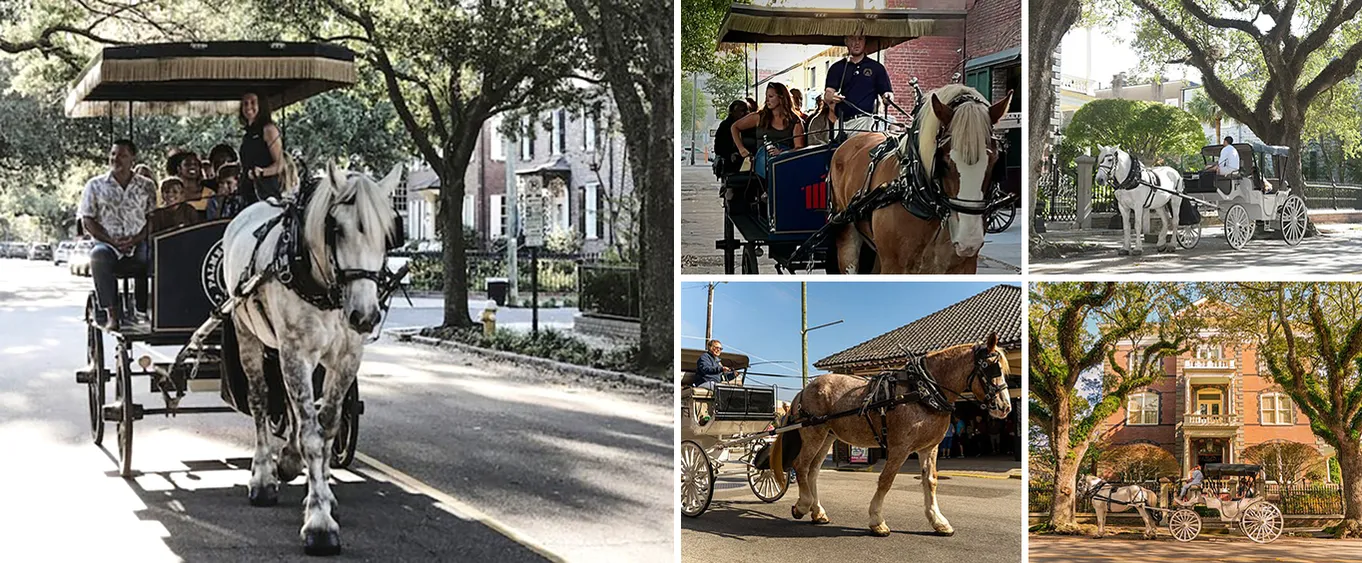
461	508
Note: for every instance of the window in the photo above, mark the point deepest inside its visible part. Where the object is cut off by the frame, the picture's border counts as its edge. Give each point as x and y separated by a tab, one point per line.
559	132
1143	409
1210	353
1209	401
495	141
981	80
526	139
470	215
588	131
498	213
561	208
1274	408
400	194
592	193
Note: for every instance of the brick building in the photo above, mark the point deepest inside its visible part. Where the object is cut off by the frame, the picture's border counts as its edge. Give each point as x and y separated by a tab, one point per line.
576	154
1208	406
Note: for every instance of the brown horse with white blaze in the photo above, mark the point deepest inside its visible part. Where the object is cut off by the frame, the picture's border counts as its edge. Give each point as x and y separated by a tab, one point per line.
979	369
958	152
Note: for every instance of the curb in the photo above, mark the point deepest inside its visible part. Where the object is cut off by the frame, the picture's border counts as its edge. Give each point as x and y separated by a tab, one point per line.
978	474
581	371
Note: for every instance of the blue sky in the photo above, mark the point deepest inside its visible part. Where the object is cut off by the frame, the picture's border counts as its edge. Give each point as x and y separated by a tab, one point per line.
761	319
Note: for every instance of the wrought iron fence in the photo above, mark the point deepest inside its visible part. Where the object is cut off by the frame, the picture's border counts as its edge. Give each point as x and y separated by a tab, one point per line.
558	273
1328	195
1303	499
1059	199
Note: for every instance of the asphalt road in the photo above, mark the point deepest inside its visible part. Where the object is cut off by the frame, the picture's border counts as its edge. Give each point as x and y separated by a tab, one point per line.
1334	252
1066	549
986	515
461	459
702	223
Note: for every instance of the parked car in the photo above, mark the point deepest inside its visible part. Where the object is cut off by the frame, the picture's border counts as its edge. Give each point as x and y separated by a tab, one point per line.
40	251
14	250
79	260
62	252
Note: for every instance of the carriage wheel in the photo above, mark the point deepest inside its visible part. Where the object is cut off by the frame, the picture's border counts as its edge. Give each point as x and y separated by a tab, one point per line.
697	480
728	242
1262	522
768	486
1238	227
1184	524
94	356
124	390
1189	235
1293	218
1001	218
343	447
749	259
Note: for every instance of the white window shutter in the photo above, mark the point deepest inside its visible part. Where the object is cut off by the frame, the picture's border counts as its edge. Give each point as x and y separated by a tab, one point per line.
591	211
496	226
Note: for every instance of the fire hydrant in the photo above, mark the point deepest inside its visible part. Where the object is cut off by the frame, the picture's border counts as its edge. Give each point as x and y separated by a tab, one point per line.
489	318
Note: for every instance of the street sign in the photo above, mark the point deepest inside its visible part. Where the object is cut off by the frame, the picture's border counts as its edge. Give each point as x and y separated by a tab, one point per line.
533	203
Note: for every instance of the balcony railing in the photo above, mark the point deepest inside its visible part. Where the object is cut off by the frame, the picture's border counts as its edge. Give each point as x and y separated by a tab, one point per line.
1200	363
1198	419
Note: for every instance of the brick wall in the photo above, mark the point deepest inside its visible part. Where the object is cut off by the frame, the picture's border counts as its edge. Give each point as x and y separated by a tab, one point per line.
992	26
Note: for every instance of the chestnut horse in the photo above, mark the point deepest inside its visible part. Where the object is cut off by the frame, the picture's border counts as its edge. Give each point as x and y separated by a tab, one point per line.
960	129
910	427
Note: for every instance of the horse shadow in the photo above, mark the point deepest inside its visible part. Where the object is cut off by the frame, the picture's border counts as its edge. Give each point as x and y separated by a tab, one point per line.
724	516
206	517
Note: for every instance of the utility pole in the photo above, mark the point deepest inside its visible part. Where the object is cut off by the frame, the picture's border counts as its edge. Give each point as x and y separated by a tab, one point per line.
512	207
694	107
805	329
709	316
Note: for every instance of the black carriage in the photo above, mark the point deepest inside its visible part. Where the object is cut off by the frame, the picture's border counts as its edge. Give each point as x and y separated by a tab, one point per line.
779	209
185	275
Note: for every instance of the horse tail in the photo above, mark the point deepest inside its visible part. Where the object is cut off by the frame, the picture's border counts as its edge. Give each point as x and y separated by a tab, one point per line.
788	444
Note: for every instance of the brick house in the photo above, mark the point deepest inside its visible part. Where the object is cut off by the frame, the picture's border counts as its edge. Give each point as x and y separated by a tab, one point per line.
575	152
1208	406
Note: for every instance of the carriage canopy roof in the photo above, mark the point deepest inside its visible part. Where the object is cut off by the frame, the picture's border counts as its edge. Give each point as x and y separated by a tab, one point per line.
1244	148
192	79
1232	469
826	26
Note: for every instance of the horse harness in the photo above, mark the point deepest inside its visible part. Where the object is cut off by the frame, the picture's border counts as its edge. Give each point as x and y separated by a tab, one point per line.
881	394
1135	179
1092	494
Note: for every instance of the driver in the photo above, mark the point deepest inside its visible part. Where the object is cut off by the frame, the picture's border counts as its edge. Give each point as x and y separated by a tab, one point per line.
1228	163
1195	480
853	86
709	370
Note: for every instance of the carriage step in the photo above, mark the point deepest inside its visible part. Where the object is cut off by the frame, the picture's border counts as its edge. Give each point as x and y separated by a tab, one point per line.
113	412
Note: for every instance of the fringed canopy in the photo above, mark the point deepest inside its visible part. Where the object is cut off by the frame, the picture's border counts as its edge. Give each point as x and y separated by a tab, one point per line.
824	26
191	79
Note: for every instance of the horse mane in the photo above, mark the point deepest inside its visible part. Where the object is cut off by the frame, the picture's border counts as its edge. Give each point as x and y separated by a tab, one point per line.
970	126
342	187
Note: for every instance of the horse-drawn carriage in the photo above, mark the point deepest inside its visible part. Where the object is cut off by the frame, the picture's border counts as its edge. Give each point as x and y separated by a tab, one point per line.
195	291
1255	199
732	415
1259	519
786	207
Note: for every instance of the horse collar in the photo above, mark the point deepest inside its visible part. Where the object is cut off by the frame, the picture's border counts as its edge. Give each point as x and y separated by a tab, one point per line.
1132	180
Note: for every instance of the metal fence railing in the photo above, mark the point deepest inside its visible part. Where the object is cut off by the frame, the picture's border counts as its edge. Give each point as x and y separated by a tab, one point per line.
1300	499
1328	195
558	273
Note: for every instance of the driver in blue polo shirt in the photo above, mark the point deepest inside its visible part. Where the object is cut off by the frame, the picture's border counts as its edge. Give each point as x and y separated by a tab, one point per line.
853	86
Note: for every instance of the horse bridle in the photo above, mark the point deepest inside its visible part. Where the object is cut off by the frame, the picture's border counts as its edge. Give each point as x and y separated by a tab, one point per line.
936	196
347	275
987	367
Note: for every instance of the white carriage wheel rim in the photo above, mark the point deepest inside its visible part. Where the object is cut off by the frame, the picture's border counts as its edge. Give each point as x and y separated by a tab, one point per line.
1189	235
764	483
1262	523
1237	227
694	477
1293	219
1185	525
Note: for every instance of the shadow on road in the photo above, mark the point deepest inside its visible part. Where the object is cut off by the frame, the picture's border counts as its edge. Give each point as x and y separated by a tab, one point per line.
725	519
206	518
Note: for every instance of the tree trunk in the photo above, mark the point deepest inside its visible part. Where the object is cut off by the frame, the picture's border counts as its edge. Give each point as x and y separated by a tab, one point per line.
1062	507
454	259
1048	23
1350	462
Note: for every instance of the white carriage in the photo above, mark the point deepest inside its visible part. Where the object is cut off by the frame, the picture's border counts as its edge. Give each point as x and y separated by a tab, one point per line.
733	418
1251	512
1256	199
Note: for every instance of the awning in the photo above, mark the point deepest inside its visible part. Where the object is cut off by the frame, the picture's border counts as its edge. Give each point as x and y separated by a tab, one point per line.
560	165
194	79
995	59
824	26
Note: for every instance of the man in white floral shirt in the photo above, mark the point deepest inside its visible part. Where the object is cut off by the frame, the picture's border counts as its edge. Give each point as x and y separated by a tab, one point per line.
113	210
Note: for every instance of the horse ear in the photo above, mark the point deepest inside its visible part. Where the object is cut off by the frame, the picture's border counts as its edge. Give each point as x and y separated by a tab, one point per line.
992	342
389	182
943	112
334	174
997	110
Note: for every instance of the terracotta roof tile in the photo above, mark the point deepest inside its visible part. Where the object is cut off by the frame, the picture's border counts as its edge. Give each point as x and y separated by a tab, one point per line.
997	308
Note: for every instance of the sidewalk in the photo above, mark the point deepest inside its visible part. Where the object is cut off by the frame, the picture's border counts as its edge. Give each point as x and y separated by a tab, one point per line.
992	467
1002	252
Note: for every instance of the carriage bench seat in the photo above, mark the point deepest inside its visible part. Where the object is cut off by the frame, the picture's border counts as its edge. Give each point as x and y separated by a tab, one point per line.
697	393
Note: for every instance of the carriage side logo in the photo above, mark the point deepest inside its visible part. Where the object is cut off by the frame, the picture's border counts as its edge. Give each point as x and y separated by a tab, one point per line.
214	282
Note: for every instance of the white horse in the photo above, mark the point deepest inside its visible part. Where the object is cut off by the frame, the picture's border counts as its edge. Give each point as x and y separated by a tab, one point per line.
1134	195
345	224
1107	497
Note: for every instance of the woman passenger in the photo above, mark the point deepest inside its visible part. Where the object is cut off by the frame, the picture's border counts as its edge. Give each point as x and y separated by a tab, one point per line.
778	128
262	151
186	166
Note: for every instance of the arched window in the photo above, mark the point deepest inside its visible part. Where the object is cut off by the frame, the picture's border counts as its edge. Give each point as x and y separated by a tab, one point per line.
1275	408
1143	409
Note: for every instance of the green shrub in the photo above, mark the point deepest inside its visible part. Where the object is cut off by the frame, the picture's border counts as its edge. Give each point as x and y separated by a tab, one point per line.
551	344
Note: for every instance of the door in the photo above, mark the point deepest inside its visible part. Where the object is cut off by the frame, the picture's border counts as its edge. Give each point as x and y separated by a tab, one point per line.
1209	402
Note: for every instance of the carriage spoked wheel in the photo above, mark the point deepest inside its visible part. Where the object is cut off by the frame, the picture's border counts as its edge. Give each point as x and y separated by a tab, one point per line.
768	486
1293	220
697	480
125	418
749	259
1001	218
1262	522
1184	524
343	447
1189	235
1238	226
94	356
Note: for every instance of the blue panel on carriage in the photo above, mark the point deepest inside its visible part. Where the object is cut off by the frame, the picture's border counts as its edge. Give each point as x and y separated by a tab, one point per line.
798	190
186	276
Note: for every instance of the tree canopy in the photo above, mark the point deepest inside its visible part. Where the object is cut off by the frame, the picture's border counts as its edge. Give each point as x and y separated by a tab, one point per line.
1148	130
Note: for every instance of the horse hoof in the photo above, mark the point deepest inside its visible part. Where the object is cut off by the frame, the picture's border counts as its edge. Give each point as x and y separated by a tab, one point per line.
948	532
880	530
267	495
821	519
321	543
795	513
